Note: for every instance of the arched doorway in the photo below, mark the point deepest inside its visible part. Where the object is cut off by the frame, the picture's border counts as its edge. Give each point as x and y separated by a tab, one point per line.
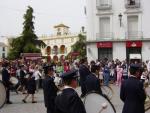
48	58
62	58
55	58
48	50
55	49
62	49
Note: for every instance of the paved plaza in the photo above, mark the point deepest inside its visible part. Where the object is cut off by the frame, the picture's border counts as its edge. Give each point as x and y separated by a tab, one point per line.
19	107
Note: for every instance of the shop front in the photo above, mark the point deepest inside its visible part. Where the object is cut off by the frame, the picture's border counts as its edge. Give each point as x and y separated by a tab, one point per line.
134	51
105	50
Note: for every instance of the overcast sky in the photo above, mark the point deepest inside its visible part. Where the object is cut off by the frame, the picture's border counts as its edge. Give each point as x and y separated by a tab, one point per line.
47	14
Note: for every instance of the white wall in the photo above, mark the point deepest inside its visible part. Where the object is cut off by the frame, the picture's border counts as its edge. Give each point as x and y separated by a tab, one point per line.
92	52
119	50
146	51
118	6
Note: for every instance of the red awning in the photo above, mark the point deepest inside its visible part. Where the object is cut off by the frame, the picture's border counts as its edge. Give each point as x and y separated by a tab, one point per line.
104	45
32	58
133	44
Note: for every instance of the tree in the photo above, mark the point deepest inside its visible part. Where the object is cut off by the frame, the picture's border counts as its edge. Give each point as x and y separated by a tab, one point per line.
80	46
28	41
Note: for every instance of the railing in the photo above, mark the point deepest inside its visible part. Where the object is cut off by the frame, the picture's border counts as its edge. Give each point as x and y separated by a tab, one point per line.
134	35
132	3
104	36
103	4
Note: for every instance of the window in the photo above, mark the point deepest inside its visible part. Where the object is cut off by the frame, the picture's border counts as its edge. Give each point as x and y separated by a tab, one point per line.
133	27
105	27
72	39
62	40
3	55
3	48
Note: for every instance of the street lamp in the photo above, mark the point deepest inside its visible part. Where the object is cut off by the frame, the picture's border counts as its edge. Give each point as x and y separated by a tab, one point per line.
120	18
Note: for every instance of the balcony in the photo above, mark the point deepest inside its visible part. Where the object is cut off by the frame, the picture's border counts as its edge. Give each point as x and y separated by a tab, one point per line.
103	4
104	36
134	35
132	4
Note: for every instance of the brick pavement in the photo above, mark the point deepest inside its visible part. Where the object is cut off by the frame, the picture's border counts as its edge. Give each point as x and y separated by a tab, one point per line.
19	107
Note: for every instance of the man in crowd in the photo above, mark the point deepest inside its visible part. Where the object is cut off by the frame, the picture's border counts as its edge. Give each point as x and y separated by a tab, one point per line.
92	82
132	92
69	101
83	71
50	90
6	82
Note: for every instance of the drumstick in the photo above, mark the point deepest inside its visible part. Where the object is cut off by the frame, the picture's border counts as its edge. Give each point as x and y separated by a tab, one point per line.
104	106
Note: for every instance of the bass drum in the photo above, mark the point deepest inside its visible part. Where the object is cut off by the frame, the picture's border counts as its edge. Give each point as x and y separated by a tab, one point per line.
96	103
2	94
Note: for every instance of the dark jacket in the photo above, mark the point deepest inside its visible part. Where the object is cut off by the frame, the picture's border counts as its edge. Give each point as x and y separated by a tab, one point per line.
50	92
69	102
92	83
84	72
133	96
6	77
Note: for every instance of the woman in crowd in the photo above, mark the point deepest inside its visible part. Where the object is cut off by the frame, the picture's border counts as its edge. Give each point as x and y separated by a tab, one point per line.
31	87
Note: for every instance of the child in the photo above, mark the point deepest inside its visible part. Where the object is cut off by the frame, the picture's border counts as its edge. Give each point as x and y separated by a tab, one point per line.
31	87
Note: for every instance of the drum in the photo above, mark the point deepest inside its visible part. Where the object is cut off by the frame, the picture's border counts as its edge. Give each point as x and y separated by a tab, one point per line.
107	91
2	94
147	103
14	80
96	103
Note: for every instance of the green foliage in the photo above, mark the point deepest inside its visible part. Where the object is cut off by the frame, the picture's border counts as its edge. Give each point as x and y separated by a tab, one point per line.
80	46
27	42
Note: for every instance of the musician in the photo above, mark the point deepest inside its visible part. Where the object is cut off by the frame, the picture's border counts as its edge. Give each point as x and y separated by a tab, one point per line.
83	71
132	92
6	82
92	82
68	101
50	89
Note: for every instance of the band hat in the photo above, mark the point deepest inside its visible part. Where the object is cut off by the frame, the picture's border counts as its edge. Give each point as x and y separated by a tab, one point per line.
72	74
49	68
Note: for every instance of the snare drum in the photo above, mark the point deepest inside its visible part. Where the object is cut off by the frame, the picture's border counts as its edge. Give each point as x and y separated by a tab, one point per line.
14	80
2	94
96	103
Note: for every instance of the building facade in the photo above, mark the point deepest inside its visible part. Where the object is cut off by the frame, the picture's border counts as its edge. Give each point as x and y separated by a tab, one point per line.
3	50
118	29
59	44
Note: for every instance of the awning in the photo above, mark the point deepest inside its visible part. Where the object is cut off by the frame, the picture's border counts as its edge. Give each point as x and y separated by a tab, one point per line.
32	58
135	56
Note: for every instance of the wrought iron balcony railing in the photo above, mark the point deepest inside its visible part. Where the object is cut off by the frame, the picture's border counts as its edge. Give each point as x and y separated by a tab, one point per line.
103	4
104	36
134	35
132	4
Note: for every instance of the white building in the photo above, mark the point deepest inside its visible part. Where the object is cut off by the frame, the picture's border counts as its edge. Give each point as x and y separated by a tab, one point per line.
3	50
59	44
118	29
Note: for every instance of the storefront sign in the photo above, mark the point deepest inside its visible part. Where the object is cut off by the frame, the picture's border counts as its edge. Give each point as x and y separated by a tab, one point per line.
75	53
133	44
104	45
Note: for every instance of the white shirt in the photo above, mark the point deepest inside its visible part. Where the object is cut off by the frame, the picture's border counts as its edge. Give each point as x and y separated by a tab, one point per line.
37	74
148	66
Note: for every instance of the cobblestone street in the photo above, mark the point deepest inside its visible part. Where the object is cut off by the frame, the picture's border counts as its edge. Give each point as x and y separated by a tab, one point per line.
19	107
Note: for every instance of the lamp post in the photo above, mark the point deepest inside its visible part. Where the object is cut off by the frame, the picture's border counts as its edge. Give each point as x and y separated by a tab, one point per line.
120	18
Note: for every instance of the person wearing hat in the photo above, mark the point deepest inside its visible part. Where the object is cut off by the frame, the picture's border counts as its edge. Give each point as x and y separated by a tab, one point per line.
132	92
83	71
49	89
68	101
6	81
92	82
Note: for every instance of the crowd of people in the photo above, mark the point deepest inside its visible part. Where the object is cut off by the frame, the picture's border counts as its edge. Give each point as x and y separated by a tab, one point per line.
53	76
